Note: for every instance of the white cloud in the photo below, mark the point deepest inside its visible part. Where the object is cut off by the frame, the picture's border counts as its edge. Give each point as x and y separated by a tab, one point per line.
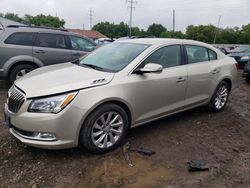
75	12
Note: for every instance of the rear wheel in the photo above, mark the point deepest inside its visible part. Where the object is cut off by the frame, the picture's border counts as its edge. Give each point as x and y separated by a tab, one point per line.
219	98
104	129
19	71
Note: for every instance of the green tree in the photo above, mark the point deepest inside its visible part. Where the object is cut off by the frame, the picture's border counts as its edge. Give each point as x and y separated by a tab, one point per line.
42	20
227	36
171	34
156	29
12	16
204	33
244	34
116	30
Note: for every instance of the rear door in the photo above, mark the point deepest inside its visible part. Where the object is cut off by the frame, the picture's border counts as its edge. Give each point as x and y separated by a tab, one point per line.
203	72
80	46
18	45
51	49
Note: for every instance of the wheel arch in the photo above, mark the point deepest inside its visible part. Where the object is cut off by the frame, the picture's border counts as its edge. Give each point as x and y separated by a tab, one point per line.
228	81
116	101
22	63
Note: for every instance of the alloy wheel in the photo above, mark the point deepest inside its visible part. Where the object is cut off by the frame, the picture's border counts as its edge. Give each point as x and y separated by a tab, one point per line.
221	97
107	129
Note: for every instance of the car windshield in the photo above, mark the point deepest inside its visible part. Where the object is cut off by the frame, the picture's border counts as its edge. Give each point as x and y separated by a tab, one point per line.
113	57
242	49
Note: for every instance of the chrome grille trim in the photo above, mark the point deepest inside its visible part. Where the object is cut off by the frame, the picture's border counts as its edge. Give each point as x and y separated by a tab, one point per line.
15	100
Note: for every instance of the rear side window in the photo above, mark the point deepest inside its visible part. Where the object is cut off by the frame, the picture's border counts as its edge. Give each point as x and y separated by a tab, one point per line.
196	54
212	55
21	38
49	40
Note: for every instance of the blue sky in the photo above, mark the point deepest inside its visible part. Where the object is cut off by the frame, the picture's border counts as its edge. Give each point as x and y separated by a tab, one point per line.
75	12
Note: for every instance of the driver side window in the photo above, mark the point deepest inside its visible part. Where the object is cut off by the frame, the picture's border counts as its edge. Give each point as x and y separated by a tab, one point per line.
169	56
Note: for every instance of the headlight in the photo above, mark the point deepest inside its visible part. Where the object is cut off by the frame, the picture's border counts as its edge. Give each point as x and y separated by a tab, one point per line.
53	104
245	58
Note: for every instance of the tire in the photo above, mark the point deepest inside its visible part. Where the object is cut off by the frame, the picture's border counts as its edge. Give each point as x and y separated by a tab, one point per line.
218	101
19	70
95	129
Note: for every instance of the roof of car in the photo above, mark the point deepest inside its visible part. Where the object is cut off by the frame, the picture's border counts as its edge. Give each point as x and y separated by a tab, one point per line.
162	41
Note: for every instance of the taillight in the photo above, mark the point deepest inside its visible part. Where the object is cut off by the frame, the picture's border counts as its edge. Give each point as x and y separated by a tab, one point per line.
237	66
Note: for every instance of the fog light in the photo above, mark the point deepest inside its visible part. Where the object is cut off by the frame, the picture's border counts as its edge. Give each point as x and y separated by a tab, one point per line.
43	136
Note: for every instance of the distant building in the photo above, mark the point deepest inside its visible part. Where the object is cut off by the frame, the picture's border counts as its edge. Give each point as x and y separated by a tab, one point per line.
5	22
89	33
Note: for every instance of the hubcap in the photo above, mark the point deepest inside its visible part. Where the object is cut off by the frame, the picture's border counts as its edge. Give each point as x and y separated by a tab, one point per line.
221	97
22	73
107	129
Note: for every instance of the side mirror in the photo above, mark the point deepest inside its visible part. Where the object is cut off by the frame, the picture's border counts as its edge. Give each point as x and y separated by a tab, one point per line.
150	68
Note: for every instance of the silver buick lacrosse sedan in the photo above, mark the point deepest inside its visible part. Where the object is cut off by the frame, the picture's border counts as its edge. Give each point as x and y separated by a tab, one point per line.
95	100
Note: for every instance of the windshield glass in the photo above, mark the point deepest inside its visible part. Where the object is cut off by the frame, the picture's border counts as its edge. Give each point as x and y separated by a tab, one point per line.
113	57
242	49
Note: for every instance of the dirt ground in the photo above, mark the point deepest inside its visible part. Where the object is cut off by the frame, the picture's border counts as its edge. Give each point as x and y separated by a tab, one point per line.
221	139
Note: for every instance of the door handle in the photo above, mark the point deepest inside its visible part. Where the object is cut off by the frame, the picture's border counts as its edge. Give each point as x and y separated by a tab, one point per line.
40	51
215	71
180	79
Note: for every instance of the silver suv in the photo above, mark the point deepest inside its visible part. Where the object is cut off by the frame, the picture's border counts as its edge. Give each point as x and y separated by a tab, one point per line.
24	48
123	84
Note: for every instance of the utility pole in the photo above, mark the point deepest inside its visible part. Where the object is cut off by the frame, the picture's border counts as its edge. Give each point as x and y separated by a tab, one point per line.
217	29
131	7
91	14
173	21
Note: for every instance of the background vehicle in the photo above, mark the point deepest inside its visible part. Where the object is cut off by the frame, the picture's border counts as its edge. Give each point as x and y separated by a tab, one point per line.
120	85
24	48
241	54
246	72
102	41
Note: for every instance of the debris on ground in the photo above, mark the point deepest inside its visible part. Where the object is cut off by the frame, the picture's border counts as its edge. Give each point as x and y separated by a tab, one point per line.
197	165
126	154
127	148
142	151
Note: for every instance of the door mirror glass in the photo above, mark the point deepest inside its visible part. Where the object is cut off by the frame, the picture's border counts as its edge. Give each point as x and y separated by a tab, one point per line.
150	68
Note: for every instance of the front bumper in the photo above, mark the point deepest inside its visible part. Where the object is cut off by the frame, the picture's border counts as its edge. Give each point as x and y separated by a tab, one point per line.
65	126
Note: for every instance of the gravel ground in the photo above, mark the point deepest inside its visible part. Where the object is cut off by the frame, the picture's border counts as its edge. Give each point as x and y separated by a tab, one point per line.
221	139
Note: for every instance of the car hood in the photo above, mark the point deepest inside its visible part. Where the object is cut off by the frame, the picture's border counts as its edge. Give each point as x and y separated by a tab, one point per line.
61	78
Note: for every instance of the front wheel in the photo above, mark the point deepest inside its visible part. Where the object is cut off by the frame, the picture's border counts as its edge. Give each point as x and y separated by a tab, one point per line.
104	129
219	98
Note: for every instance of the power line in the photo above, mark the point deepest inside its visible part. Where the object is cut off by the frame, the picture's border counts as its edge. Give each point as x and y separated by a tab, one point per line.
173	21
91	15
131	7
216	31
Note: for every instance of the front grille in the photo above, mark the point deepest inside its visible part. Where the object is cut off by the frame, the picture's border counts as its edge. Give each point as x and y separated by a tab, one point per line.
15	100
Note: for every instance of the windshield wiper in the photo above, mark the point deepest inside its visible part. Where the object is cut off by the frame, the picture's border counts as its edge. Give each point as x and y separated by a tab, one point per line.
93	67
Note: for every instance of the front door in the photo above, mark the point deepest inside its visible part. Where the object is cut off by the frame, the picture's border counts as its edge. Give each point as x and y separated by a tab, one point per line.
159	94
80	46
51	49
